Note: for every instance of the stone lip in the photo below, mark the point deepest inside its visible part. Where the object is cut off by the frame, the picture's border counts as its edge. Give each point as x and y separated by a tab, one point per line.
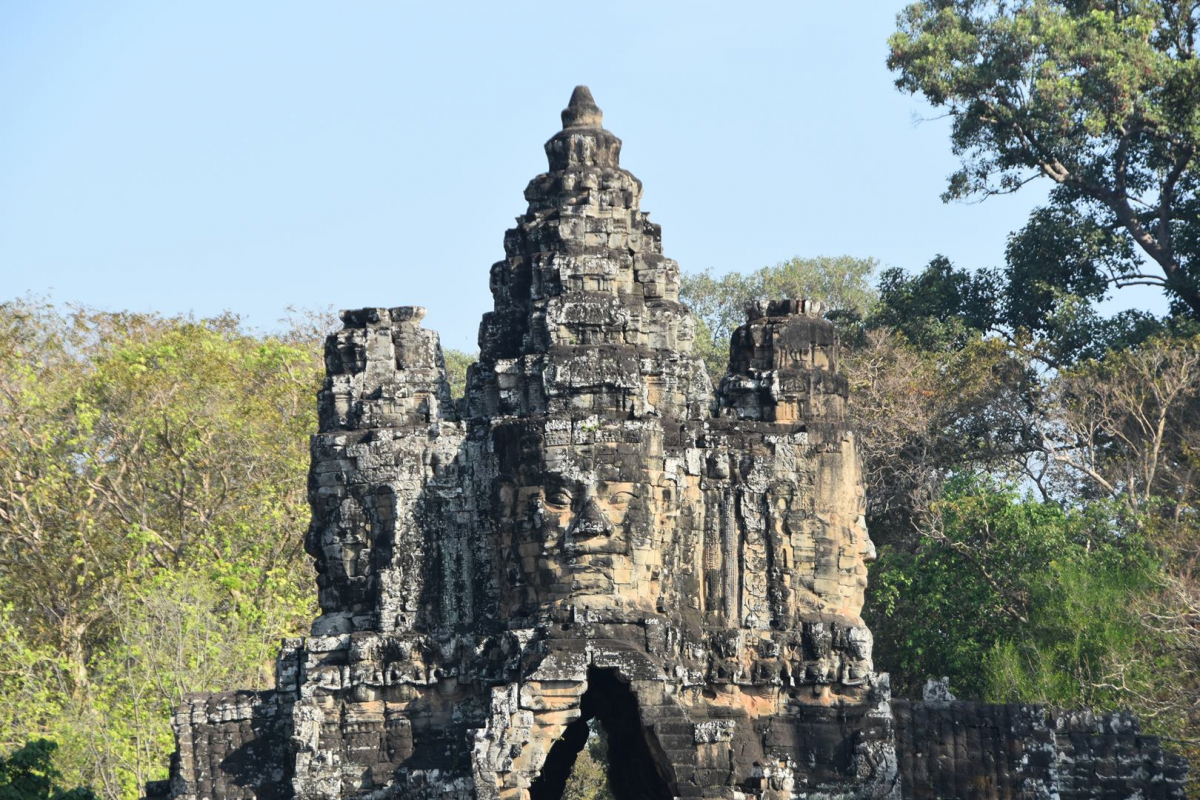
582	111
757	309
358	317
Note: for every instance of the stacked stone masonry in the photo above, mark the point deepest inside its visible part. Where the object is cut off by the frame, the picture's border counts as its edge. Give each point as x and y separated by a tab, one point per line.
594	532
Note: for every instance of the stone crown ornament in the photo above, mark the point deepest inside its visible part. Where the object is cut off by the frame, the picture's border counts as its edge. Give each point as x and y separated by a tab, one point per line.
593	532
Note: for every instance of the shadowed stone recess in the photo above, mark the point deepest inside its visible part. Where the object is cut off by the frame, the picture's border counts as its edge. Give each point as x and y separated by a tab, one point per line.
593	531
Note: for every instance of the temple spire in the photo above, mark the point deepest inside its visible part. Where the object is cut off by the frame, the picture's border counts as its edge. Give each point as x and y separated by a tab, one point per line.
582	111
583	143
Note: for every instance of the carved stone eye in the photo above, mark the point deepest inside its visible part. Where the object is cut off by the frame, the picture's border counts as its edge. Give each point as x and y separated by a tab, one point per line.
559	497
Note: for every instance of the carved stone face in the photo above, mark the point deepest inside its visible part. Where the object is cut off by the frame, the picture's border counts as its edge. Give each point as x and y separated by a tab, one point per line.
344	553
576	510
589	520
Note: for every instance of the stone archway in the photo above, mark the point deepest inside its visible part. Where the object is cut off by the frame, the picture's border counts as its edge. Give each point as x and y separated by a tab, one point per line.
644	772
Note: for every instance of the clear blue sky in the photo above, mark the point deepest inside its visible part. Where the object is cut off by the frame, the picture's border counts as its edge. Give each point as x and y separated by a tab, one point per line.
251	156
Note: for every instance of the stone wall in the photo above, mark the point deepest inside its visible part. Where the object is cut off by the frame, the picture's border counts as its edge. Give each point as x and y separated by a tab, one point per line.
975	750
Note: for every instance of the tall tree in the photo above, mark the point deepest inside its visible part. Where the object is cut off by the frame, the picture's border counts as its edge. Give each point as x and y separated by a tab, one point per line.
152	496
1100	96
1038	303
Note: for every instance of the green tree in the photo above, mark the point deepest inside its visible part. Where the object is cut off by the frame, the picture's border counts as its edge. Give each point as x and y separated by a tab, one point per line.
1086	595
28	773
1012	598
151	491
1100	96
940	307
1032	304
33	689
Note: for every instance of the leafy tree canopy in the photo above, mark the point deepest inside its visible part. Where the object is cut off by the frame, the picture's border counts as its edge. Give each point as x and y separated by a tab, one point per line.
1014	598
939	306
457	364
1050	312
589	775
151	490
1100	96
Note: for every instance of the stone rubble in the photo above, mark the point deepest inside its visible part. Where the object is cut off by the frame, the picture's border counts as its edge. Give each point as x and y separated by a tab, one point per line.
593	532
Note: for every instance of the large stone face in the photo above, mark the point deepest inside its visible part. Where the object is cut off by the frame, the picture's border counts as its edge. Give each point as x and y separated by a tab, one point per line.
594	532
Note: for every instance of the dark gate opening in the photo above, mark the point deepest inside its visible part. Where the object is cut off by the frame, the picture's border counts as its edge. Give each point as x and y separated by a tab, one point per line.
635	770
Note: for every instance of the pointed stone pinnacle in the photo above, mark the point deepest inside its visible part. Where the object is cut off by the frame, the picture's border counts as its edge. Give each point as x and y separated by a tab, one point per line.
582	111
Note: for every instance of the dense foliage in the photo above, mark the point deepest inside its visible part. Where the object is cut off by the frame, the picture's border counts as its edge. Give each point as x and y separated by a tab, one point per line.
1060	566
457	363
1015	598
28	773
152	501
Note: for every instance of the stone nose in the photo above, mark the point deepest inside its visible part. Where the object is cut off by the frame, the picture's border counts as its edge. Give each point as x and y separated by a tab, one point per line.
592	519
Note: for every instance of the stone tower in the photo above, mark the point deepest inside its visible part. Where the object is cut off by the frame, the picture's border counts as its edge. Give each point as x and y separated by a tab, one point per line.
593	532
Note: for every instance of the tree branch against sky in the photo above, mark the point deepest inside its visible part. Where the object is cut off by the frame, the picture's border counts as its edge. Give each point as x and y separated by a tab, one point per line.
1100	96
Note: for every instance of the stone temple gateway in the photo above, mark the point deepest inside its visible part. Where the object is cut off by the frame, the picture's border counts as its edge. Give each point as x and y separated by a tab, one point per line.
594	531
